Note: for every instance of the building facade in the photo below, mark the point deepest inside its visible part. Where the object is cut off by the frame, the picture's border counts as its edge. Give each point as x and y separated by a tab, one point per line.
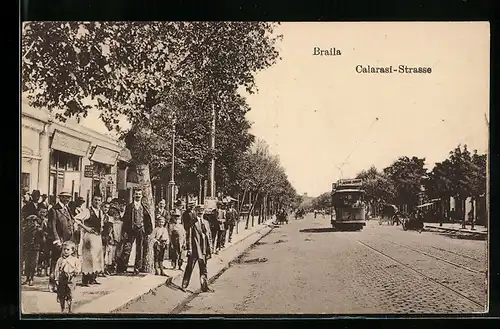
70	157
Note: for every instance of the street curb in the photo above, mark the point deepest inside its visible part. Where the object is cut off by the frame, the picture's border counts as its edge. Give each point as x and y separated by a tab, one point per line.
456	230
228	264
129	298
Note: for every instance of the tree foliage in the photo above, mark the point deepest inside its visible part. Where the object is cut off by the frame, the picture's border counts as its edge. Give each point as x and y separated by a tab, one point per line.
261	172
323	201
145	71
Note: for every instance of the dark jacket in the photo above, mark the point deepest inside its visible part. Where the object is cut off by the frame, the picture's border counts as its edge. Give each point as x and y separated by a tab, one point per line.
188	217
199	240
128	219
61	224
30	209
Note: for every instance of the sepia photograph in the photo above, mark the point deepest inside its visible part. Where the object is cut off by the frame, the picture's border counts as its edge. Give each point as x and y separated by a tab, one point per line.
254	168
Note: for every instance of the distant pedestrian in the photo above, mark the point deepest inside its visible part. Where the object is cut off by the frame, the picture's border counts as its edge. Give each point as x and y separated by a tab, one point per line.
231	221
177	248
198	249
221	233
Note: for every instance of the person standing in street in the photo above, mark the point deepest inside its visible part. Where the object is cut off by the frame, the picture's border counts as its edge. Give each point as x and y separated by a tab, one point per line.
199	249
137	224
231	220
61	229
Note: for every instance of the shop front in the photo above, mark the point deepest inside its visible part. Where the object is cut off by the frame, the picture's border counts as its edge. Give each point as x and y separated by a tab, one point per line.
66	153
104	172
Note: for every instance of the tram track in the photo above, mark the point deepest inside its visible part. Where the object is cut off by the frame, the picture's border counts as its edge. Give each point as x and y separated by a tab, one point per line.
419	273
436	257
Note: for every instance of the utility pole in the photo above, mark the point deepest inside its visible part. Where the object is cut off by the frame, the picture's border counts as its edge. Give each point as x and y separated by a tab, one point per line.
212	147
171	184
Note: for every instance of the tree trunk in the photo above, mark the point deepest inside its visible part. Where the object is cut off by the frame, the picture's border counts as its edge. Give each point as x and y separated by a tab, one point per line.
249	210
253	207
144	181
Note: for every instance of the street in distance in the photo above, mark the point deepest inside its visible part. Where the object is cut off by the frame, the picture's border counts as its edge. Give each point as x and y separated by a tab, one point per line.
404	69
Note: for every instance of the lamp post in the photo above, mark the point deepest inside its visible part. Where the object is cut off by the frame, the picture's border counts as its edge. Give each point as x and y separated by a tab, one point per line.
171	184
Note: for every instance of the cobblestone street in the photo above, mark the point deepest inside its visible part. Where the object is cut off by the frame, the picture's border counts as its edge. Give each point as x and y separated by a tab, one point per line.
305	267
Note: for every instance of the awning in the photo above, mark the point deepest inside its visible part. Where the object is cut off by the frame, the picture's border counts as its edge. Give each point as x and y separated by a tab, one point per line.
229	198
125	155
104	155
69	144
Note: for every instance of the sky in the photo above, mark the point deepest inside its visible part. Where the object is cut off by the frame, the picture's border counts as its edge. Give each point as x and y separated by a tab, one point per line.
317	112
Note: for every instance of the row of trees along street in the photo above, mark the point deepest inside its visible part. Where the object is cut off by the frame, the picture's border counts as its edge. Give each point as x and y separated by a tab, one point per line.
403	183
161	76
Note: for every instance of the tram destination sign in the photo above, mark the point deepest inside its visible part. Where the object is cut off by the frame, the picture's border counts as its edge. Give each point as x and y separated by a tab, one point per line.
354	182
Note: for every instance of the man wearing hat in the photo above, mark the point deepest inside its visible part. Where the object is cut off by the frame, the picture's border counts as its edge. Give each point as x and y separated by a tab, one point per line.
198	249
137	224
61	228
221	217
188	216
31	208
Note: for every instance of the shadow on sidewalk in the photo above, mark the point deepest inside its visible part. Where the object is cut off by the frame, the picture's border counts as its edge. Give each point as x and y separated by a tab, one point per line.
318	230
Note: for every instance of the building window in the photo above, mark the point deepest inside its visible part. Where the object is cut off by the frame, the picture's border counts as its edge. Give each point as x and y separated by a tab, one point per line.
65	161
25	182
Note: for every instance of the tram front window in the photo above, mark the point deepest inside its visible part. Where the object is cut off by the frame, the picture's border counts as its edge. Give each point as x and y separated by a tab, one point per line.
350	200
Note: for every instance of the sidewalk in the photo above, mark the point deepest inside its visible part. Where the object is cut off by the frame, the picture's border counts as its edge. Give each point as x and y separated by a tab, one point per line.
457	227
114	292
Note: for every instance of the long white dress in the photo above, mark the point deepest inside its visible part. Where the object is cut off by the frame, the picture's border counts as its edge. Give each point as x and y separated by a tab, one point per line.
92	251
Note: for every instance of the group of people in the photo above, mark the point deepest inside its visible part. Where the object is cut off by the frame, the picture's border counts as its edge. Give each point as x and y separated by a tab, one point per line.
66	239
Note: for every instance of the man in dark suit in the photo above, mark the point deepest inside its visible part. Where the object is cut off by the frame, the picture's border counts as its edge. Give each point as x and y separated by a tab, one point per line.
137	225
61	228
31	208
199	249
188	216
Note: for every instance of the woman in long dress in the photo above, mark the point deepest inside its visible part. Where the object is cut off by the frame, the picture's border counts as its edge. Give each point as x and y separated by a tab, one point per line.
92	250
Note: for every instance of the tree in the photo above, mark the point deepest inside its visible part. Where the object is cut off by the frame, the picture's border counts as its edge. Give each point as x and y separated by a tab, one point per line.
408	175
378	187
127	68
323	201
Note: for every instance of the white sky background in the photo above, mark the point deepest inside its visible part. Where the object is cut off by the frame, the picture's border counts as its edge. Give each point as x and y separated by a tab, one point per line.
314	110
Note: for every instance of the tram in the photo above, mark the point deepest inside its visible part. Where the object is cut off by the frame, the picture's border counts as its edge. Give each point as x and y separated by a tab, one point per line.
348	205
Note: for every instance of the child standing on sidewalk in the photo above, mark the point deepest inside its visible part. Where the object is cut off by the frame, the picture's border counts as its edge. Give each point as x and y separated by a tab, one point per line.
34	245
177	240
160	244
67	268
44	260
109	240
117	233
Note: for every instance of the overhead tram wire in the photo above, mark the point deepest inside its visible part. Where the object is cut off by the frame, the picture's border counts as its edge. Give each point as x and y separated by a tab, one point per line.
357	145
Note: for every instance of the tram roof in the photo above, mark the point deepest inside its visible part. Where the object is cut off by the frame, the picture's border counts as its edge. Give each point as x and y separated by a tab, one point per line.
349	191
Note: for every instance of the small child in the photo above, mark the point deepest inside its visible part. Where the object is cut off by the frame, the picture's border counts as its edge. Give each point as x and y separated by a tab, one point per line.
44	261
34	245
67	268
111	239
160	243
177	241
